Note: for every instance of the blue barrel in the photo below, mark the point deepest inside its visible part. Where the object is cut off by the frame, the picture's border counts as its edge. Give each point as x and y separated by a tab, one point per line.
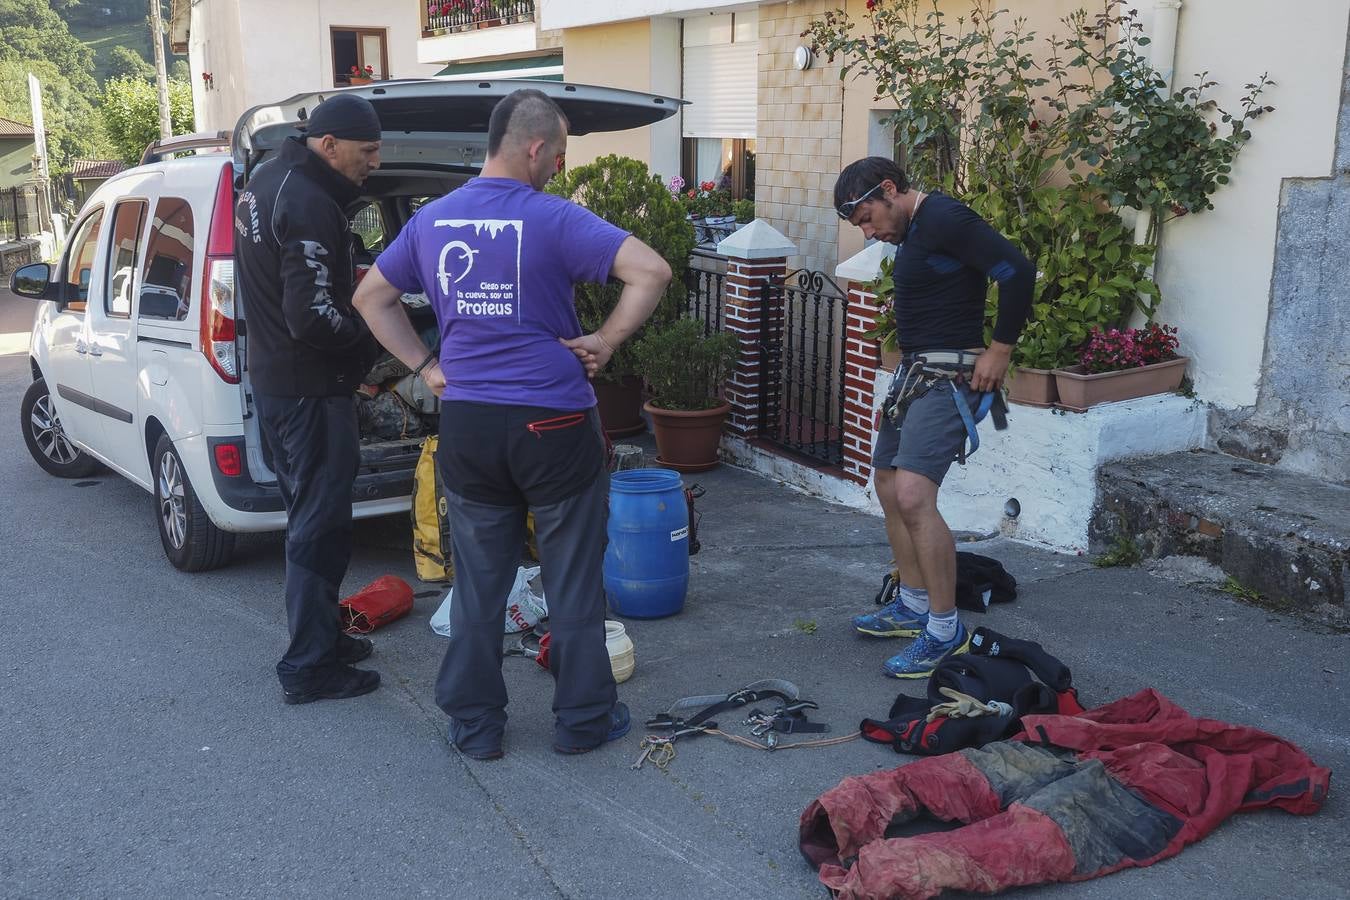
647	560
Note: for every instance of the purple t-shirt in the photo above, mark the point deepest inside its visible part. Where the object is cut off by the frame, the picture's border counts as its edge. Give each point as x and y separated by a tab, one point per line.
498	260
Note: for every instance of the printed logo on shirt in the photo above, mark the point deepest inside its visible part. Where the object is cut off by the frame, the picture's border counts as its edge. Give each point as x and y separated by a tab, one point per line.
478	267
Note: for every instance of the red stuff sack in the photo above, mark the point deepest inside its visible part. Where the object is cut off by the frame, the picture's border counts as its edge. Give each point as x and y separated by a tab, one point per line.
384	600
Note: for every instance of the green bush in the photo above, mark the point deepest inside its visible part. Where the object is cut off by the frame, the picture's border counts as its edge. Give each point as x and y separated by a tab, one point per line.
130	114
685	367
999	117
622	191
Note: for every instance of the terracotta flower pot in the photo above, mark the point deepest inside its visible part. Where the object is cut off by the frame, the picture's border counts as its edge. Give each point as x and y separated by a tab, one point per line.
1078	390
1032	387
620	406
687	441
358	79
890	359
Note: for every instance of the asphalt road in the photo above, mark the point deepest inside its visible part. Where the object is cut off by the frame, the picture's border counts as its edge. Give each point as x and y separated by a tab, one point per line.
146	751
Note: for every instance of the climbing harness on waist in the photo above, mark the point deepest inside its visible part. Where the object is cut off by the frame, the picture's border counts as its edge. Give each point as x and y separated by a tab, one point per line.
944	370
694	715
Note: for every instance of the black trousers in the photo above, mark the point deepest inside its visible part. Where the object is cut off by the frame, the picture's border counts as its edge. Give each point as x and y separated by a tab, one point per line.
315	449
497	463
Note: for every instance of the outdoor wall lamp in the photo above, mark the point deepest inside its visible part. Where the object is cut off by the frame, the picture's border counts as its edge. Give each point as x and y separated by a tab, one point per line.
802	58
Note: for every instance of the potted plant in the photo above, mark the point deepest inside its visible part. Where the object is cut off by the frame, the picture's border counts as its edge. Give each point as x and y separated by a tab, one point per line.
1121	364
743	211
361	75
623	191
685	368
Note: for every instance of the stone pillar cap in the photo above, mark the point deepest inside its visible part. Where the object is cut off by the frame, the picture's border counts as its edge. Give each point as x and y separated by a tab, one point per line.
758	240
866	264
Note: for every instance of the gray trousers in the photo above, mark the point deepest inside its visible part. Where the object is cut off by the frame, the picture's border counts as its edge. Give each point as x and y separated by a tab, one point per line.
488	539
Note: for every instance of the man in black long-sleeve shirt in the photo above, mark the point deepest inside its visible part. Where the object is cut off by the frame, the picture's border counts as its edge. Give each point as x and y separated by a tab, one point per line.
308	350
947	256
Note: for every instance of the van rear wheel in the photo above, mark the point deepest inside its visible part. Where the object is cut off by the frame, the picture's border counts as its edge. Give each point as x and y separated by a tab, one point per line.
47	441
192	542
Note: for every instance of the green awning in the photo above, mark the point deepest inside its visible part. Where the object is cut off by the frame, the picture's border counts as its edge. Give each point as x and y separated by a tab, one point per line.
546	68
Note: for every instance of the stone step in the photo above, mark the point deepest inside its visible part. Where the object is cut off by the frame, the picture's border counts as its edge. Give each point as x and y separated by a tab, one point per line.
1278	534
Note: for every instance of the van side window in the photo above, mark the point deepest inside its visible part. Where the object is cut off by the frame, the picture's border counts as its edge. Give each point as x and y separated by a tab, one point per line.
368	229
166	283
128	218
80	263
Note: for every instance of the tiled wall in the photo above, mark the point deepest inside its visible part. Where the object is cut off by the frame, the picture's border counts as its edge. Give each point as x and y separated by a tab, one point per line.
798	142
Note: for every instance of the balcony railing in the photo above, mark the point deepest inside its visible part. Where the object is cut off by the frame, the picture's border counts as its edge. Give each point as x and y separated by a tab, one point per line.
467	15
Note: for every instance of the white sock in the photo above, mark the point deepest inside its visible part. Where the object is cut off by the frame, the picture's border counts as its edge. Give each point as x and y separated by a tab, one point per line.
942	626
914	599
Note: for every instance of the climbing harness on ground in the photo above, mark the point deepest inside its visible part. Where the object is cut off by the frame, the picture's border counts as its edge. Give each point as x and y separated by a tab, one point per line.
694	715
945	369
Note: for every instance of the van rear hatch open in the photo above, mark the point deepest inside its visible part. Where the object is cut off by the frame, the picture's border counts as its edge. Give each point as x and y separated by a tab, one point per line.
444	124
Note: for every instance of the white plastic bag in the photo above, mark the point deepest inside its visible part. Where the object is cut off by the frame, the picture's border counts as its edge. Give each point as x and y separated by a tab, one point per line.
524	608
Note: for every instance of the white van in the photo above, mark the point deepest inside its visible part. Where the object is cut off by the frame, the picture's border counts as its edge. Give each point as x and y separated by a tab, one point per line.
139	347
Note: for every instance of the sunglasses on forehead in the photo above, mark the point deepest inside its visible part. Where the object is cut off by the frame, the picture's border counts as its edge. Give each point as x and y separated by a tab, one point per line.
845	210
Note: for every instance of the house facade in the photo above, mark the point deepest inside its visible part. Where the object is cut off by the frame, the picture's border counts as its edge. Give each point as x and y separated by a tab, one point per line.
1254	285
244	53
16	153
499	39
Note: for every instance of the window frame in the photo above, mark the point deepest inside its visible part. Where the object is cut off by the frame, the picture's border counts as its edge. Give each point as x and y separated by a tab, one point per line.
184	301
689	157
137	247
65	303
343	79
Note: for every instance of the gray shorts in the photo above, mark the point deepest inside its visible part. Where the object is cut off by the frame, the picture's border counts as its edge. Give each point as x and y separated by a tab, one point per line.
929	438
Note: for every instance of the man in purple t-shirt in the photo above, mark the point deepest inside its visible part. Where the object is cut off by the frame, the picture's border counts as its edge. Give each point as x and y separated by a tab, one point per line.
519	430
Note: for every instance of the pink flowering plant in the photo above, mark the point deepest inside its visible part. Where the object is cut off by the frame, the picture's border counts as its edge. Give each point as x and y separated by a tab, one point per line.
1127	348
704	199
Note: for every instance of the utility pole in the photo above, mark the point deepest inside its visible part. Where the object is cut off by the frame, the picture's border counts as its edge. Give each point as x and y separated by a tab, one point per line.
161	75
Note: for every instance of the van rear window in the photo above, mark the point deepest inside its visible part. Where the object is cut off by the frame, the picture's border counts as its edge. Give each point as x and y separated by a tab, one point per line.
166	283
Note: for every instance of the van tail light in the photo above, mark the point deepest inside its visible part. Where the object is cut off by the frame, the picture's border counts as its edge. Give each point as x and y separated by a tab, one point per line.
228	461
217	307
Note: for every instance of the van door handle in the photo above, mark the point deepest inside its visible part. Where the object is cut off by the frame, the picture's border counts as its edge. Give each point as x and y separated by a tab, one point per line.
94	350
80	348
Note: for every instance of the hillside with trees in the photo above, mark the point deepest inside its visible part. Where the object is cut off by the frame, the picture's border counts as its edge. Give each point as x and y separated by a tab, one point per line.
92	59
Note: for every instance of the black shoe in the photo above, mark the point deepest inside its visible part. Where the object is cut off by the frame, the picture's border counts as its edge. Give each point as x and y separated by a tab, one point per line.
351	650
619	723
483	755
337	683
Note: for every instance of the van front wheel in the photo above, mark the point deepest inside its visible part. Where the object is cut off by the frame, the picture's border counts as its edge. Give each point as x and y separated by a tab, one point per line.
46	439
191	540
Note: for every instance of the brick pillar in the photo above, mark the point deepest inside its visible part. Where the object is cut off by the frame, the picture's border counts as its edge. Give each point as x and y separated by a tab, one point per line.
862	356
756	255
744	316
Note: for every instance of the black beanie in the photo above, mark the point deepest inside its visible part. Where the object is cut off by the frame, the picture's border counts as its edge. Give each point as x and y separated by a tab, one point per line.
346	117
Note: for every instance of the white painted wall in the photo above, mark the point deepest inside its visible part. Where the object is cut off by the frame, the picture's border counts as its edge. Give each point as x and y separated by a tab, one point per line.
502	40
1046	460
1215	268
262	51
574	13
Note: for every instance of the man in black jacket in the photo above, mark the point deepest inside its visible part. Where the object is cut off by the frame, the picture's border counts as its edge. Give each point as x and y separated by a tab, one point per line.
308	350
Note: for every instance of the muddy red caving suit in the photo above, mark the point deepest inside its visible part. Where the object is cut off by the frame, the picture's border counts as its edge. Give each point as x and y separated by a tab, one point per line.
1067	799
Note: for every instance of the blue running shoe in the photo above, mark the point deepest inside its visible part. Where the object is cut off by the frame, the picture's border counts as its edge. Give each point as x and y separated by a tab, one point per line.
892	620
920	658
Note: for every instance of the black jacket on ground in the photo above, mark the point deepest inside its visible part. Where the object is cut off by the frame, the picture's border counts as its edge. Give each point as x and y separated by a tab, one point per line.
293	274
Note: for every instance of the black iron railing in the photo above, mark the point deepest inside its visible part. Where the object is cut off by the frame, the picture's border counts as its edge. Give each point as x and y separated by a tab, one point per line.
21	212
704	282
467	15
802	365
